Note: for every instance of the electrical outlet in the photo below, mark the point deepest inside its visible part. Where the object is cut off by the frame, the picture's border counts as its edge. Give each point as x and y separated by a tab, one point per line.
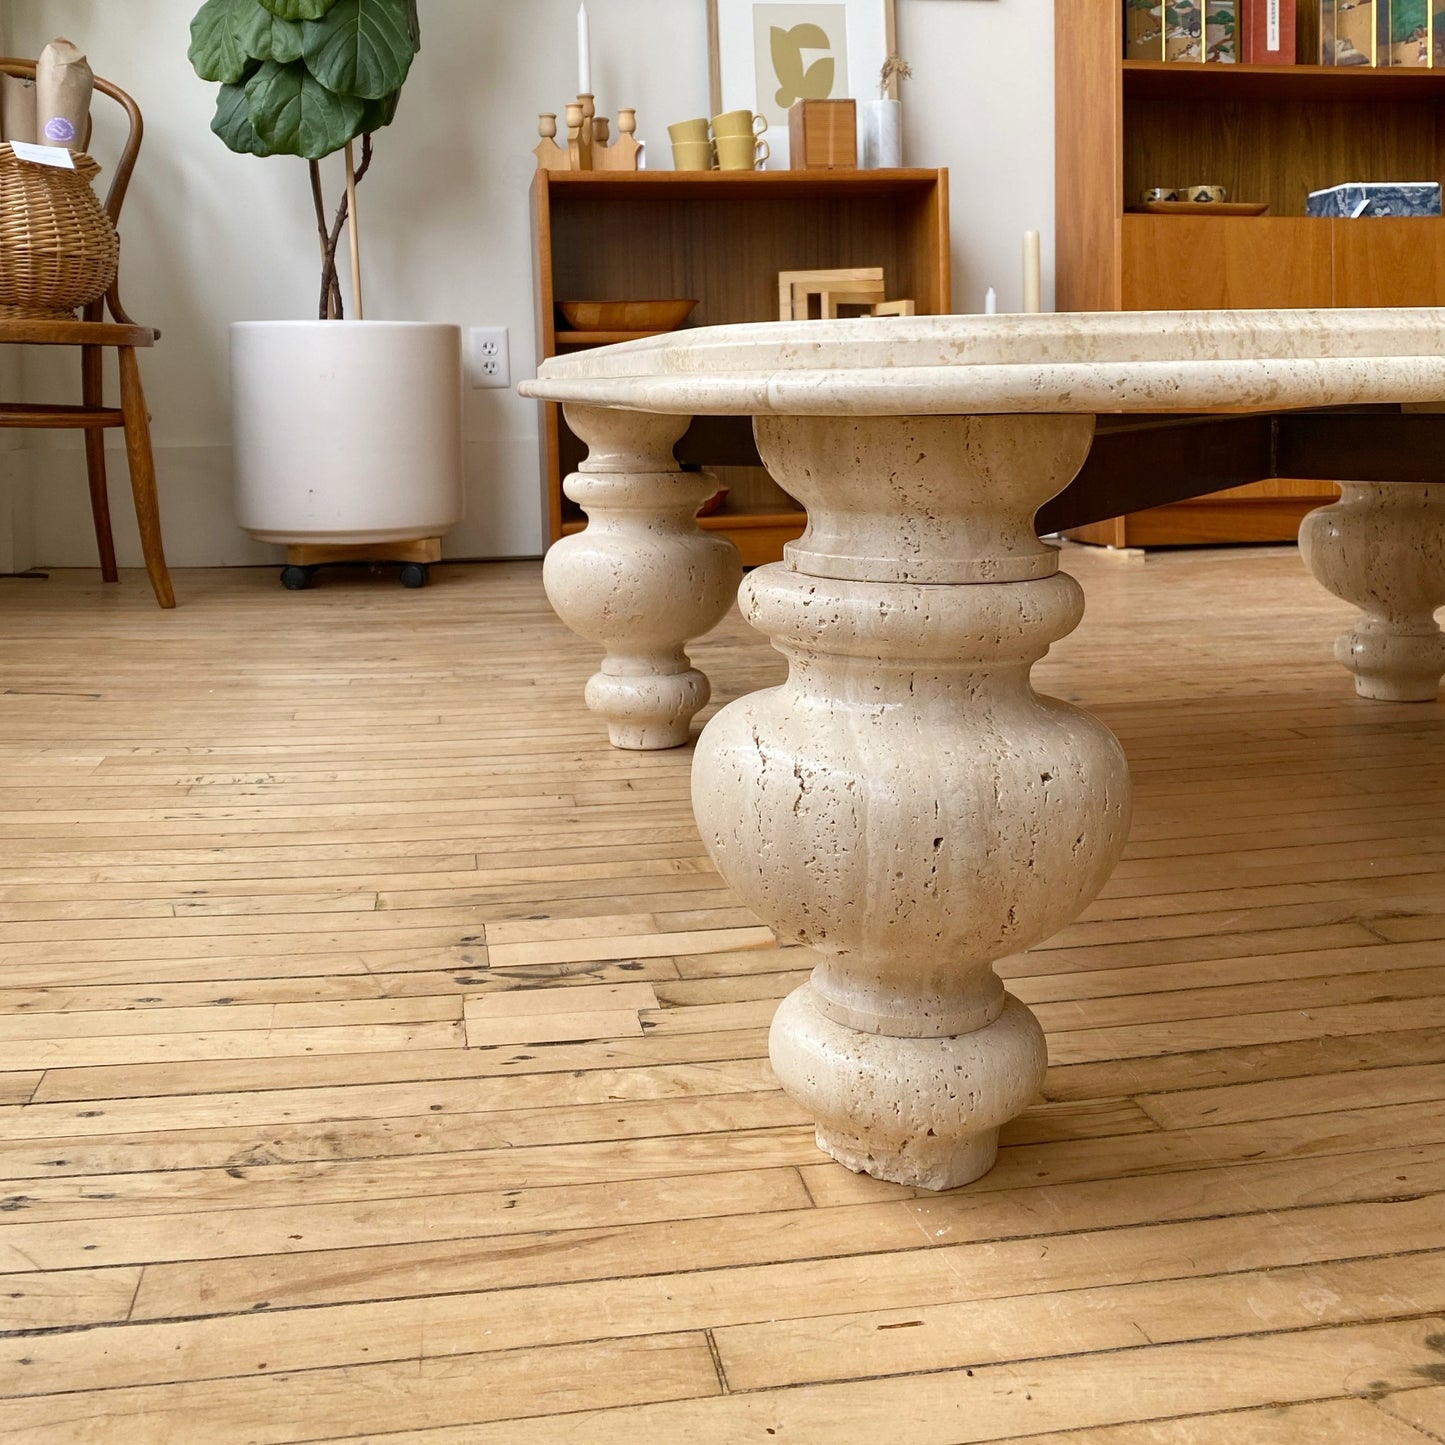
489	356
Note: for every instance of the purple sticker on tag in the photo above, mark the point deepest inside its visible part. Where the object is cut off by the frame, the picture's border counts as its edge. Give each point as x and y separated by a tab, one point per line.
57	128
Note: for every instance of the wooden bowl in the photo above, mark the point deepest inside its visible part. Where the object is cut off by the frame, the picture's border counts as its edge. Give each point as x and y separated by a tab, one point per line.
625	315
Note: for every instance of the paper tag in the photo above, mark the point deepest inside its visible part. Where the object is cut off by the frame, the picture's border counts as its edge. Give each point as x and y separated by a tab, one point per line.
56	156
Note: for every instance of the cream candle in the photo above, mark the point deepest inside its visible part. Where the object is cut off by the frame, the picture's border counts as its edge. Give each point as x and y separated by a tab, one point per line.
1033	282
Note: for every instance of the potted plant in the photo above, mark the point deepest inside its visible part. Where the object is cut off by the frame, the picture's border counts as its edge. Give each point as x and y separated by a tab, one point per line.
347	431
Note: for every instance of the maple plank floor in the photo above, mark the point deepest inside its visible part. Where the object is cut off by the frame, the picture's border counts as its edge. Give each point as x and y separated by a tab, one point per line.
382	1058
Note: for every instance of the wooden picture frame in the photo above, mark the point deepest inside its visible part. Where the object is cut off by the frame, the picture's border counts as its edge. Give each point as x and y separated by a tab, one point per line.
744	67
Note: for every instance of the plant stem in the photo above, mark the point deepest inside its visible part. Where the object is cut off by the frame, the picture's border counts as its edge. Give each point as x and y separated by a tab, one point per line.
326	310
330	281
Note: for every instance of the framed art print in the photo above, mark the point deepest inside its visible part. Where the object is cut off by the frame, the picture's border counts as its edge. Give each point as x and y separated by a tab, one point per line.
766	54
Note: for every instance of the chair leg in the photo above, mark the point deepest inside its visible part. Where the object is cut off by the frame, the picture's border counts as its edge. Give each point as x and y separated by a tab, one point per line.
91	393
143	475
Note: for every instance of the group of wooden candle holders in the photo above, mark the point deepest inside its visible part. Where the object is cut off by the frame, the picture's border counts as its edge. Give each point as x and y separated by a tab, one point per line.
589	143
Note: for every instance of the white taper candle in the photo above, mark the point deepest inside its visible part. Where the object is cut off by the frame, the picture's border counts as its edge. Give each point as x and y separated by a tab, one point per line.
584	52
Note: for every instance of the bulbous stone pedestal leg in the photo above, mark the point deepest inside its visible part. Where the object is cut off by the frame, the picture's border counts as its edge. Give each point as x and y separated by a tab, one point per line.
906	803
1382	547
641	579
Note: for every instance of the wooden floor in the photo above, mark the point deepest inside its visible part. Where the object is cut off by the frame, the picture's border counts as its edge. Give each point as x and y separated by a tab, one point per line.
380	1055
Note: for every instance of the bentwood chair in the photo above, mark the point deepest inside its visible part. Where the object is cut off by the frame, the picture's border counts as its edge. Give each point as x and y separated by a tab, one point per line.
92	334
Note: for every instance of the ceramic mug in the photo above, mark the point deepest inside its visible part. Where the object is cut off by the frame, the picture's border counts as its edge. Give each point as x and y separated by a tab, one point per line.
741	153
738	123
1160	193
692	155
1204	194
688	131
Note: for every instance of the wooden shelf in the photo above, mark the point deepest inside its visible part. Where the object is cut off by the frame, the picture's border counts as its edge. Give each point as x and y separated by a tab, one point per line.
1179	80
722	236
714	185
602	338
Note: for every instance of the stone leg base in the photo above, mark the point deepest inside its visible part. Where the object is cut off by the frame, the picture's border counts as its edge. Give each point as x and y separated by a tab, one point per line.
925	1163
650	712
1395	666
924	1112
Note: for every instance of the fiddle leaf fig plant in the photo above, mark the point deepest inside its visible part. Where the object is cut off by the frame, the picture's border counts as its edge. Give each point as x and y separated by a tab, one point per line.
306	78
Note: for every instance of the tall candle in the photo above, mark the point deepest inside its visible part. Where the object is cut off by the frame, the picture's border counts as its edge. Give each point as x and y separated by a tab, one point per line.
990	302
1033	285
584	52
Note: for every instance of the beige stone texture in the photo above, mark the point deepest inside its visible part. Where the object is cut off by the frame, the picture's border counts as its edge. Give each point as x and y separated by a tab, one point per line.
641	579
1382	547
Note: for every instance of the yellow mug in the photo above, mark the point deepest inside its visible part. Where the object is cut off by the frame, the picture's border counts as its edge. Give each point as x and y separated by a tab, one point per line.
692	155
738	122
688	131
741	152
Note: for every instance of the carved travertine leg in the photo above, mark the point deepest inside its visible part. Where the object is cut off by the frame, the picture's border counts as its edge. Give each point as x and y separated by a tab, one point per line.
642	579
906	803
1382	547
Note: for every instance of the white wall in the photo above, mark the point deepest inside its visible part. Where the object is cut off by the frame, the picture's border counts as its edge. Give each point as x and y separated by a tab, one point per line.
212	237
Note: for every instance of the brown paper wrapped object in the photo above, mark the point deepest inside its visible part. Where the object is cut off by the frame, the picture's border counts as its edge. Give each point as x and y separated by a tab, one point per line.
63	86
17	109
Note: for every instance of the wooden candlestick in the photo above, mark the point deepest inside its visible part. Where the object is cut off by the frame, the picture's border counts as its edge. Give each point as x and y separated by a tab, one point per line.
589	140
550	156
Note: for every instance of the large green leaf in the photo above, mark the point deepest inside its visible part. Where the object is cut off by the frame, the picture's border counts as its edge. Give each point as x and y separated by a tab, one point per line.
298	9
218	39
233	122
380	113
271	38
363	47
294	114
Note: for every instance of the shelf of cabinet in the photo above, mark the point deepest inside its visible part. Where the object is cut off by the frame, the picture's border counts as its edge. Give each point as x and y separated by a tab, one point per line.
1176	81
722	236
602	338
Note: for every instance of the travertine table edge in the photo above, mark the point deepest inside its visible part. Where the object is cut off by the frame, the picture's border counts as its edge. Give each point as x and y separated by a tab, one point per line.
905	803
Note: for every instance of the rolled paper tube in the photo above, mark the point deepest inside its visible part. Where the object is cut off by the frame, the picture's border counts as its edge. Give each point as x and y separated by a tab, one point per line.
63	86
17	109
1033	287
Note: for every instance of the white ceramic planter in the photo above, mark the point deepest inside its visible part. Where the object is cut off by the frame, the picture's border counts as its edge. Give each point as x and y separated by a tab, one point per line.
347	431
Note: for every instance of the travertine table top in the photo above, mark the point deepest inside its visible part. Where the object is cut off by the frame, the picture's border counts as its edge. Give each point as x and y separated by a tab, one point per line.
1051	362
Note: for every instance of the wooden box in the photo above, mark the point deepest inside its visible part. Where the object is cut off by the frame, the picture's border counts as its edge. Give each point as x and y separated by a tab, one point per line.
823	135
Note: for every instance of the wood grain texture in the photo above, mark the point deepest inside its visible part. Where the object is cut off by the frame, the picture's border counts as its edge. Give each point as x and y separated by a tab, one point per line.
254	1185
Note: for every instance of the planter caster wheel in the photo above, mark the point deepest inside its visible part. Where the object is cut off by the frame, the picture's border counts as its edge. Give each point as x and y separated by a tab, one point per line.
296	579
415	574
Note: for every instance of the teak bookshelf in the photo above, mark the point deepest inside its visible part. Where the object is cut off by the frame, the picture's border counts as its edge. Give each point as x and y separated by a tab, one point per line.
722	237
1267	133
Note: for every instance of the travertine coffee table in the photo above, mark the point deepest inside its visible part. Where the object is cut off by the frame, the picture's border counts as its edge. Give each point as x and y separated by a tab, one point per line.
906	803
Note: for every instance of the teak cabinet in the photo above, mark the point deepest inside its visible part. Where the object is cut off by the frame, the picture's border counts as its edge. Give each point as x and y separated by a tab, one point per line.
722	237
1269	134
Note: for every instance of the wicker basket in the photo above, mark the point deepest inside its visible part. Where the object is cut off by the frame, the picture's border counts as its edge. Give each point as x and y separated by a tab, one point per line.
58	247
